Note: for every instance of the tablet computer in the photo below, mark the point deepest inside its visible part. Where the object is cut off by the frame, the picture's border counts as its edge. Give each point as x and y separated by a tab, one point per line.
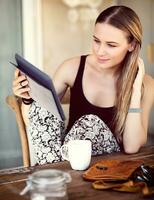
41	87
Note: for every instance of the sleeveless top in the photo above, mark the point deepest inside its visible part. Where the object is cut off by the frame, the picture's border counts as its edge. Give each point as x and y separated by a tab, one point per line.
80	106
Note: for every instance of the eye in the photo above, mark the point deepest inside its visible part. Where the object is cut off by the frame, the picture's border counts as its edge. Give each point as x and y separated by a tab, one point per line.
97	41
111	45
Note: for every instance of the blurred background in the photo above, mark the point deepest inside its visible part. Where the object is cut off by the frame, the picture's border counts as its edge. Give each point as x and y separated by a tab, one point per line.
46	32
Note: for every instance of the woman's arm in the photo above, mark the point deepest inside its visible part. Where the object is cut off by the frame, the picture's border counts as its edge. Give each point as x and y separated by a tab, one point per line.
135	133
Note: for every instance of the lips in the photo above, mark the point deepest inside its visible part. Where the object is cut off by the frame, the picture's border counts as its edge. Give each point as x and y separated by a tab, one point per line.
102	60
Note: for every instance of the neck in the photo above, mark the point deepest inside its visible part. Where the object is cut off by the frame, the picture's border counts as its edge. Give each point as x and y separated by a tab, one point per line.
107	72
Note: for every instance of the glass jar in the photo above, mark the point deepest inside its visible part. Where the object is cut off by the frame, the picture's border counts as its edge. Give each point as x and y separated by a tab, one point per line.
49	184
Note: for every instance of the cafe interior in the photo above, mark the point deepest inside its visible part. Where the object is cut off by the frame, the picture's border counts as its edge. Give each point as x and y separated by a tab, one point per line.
47	32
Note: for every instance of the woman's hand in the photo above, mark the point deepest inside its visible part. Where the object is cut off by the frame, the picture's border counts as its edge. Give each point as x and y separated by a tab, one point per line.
137	86
20	85
140	74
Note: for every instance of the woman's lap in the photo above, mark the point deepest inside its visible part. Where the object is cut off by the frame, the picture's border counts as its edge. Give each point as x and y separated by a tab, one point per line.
91	127
46	132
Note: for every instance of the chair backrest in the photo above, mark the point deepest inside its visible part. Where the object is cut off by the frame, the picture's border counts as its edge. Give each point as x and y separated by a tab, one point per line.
15	105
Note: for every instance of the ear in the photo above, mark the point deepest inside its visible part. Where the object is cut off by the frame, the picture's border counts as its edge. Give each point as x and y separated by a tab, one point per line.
131	46
130	49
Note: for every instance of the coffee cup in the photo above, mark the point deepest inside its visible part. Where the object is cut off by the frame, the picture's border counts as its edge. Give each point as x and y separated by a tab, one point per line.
78	153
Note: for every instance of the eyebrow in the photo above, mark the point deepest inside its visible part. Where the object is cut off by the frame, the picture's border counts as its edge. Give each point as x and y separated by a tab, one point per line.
107	41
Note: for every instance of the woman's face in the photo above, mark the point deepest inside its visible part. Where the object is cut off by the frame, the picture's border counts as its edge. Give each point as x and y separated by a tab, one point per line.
110	45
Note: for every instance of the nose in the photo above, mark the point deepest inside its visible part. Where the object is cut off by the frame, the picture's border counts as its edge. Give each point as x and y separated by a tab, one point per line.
101	51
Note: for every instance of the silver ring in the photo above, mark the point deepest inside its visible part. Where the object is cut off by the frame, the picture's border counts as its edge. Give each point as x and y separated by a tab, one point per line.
21	84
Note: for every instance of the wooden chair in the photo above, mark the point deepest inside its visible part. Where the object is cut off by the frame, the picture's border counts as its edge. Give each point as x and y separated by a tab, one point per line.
15	104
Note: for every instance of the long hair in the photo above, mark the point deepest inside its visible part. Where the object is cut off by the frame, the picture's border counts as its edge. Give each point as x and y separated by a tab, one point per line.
125	19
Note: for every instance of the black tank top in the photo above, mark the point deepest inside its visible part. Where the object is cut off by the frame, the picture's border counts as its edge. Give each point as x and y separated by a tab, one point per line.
80	106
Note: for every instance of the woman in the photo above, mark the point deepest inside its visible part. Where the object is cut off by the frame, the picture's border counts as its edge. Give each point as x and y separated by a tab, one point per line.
111	96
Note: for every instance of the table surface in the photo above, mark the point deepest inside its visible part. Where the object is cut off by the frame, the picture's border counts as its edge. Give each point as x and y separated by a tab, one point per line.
12	181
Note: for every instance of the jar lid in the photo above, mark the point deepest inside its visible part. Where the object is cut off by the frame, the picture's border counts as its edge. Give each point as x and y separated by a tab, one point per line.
49	177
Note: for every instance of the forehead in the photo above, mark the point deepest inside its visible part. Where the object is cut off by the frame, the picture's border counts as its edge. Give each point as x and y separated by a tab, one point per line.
107	32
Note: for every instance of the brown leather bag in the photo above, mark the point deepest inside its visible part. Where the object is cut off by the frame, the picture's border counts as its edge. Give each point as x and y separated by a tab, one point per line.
111	170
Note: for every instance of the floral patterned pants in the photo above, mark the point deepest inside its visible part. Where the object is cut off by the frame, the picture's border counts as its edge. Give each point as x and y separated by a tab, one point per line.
47	132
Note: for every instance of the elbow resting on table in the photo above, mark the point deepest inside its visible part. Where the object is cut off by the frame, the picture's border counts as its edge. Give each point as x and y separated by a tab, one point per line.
134	145
130	150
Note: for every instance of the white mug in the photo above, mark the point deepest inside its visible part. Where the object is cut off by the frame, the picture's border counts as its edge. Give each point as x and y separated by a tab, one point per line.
78	153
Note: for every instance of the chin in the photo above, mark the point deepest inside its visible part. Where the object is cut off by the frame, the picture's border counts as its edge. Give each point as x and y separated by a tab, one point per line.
104	63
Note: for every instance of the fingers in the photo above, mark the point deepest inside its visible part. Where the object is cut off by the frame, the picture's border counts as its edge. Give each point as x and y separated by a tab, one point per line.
141	66
16	73
140	74
22	92
20	85
20	79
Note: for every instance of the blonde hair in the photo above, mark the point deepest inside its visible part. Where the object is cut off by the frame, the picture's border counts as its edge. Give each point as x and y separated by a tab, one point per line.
125	19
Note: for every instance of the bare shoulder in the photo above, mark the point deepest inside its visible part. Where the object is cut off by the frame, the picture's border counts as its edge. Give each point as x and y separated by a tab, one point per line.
67	70
72	64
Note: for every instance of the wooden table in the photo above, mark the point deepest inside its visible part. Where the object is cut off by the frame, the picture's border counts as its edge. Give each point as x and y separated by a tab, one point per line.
13	181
